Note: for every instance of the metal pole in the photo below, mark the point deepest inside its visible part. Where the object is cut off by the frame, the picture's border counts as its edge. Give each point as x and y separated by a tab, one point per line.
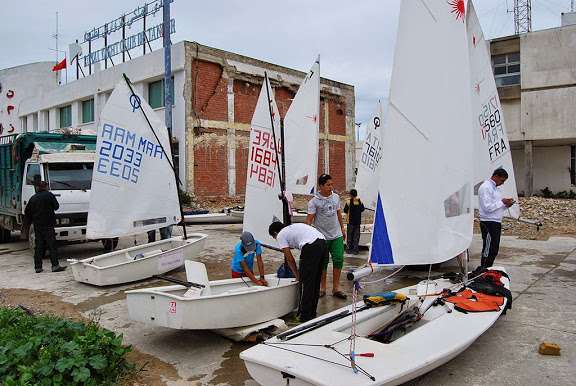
105	46
285	209
168	98
89	57
123	38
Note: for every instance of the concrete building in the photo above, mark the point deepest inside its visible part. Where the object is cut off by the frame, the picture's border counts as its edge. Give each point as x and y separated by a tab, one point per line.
536	77
215	94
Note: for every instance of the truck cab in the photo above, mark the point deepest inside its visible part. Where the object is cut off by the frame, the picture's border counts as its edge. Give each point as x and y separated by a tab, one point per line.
69	176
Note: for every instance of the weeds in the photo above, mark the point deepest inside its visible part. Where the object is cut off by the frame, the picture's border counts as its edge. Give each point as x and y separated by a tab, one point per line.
46	350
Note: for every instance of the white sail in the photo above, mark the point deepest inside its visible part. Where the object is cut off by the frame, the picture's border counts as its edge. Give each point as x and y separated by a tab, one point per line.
301	127
491	146
133	185
262	179
423	213
368	170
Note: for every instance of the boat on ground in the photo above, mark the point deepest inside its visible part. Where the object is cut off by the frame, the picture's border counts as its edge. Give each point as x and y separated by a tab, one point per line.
133	160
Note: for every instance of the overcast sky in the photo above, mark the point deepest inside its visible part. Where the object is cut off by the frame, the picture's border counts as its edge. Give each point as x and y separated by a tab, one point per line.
354	38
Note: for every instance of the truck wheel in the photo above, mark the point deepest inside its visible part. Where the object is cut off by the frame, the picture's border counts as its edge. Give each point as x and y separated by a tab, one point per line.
5	235
110	244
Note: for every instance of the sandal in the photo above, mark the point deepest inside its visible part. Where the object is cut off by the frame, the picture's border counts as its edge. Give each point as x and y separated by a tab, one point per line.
340	295
322	294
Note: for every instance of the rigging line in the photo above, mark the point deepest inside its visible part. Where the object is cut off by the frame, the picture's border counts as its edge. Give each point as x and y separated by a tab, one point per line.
315	357
354	366
384	278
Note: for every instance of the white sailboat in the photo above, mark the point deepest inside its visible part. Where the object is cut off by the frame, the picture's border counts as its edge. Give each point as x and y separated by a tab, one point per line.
133	191
230	303
302	125
424	215
491	145
368	171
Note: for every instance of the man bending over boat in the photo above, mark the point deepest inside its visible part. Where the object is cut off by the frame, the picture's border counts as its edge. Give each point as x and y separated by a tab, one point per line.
492	208
314	250
243	259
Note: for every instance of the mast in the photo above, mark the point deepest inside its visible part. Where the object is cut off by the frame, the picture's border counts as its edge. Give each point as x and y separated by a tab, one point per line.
280	166
168	98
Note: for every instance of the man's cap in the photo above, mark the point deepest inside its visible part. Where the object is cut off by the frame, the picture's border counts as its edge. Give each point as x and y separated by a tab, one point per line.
248	241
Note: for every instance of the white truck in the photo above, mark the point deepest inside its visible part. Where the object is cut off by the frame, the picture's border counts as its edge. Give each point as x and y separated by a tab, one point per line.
65	162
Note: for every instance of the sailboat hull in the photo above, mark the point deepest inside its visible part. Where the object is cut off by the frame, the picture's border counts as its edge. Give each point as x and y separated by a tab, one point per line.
446	334
139	262
212	218
231	303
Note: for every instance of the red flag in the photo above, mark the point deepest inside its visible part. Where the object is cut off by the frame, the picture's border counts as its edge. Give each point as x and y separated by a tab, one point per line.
60	66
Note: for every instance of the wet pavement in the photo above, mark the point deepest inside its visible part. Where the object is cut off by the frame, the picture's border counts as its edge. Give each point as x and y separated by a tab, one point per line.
543	276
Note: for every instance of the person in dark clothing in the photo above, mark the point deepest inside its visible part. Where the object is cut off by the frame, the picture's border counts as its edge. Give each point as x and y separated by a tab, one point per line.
40	212
313	251
353	209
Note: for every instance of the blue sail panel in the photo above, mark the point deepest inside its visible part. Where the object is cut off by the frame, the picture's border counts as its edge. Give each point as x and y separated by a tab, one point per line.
381	251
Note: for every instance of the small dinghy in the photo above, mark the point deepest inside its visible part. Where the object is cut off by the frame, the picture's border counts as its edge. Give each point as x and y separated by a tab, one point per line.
134	191
200	304
318	352
139	262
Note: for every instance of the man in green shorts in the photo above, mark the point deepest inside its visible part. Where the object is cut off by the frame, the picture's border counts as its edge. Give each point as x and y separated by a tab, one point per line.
325	213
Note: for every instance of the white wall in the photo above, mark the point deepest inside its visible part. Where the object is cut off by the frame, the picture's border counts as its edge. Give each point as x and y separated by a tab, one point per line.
19	83
141	71
551	168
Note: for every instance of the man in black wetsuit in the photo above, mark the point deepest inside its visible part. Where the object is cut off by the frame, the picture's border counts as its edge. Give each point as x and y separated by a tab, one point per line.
40	212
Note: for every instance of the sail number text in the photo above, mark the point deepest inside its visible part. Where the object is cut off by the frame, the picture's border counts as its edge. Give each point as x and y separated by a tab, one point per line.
372	152
121	152
262	157
493	135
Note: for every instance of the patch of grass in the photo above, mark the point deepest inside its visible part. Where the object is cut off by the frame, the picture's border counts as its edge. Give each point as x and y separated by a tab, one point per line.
46	350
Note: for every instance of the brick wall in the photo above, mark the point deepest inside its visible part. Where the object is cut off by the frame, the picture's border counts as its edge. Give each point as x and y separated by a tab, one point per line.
209	95
245	99
242	141
209	101
337	167
283	98
210	163
337	117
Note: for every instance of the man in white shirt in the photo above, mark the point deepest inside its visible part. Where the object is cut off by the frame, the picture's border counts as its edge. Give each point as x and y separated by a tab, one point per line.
312	245
492	208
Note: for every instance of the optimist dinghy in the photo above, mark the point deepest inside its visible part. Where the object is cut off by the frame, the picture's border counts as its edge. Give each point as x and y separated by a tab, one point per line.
134	191
207	305
424	215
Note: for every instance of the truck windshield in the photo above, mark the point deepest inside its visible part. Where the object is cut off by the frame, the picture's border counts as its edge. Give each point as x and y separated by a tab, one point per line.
65	176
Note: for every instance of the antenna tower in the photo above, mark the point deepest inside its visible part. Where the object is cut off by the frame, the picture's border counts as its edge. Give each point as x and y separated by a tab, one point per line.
523	16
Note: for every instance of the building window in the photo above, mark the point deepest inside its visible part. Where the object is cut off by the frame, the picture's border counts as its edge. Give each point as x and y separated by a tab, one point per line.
65	116
156	93
88	111
506	69
573	164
